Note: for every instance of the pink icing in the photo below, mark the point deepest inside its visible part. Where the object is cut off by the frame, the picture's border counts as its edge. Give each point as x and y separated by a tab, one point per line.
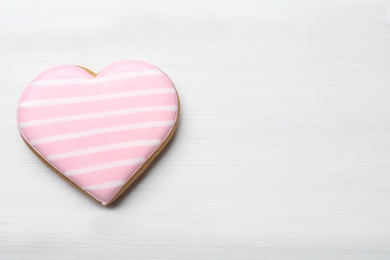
98	131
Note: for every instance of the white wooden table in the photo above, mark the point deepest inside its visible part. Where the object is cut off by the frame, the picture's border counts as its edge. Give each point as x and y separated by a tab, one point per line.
283	147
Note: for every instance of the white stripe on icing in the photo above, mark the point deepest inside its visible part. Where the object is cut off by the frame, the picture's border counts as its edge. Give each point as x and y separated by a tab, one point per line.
65	82
103	148
106	185
96	115
105	166
72	100
57	138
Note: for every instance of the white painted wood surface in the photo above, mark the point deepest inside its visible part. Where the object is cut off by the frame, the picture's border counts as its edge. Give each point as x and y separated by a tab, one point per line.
283	147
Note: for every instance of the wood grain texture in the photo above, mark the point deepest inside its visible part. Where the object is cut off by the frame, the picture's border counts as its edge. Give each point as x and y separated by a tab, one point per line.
282	151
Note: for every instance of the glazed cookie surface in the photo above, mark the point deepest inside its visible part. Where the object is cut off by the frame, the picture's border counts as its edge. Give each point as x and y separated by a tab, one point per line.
99	131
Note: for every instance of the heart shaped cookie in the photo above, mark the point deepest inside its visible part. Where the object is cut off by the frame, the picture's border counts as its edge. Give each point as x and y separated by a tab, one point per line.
99	131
